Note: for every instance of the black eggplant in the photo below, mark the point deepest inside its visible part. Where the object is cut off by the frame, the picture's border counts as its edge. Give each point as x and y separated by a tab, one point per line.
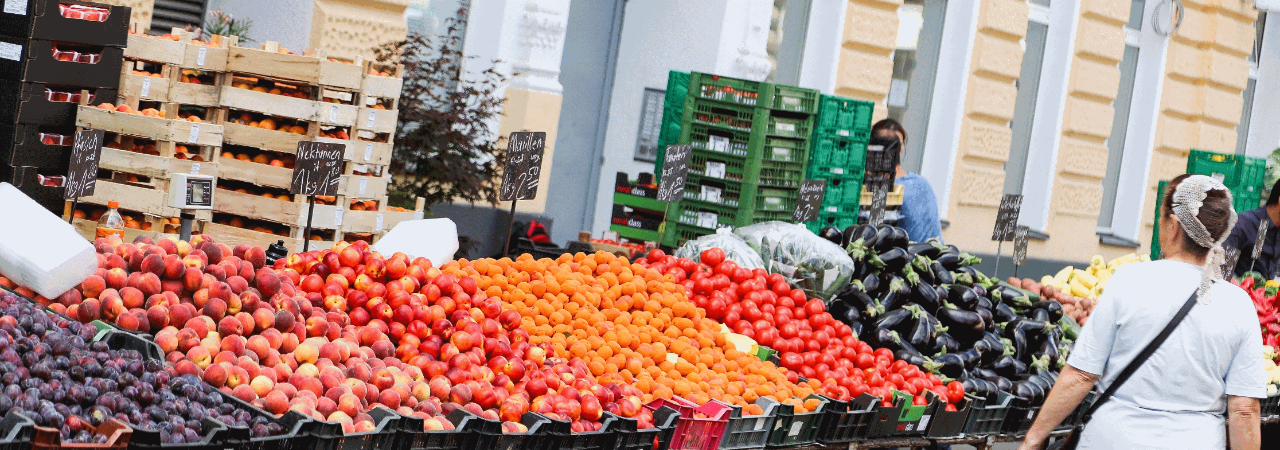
1003	384
960	321
899	237
984	303
949	261
980	290
852	234
986	348
1014	297
883	241
1052	307
1030	327
911	358
1019	339
1003	313
940	274
935	248
974	386
971	358
831	234
923	249
892	260
871	283
1039	315
961	296
991	342
844	312
984	373
943	343
920	266
893	318
923	332
1008	366
987	320
1049	350
858	298
950	365
926	296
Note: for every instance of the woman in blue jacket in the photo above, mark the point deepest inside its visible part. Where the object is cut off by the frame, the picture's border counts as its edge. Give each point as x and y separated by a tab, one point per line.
919	206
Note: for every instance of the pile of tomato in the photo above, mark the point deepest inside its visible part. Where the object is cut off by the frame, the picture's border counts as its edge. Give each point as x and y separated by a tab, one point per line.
809	341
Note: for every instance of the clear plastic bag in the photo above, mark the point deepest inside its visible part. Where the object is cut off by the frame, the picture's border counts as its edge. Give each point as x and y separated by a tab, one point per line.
734	249
809	262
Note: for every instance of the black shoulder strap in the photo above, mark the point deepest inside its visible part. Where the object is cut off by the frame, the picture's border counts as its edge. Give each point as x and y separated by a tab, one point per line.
1142	357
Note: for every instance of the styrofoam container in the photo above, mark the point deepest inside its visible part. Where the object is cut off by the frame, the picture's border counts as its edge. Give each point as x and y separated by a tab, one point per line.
434	239
38	249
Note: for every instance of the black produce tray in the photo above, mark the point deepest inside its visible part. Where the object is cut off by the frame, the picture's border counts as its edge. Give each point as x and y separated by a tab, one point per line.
24	178
331	437
636	219
947	424
604	439
750	432
623	185
36	64
630	437
20	146
1021	415
470	432
987	417
16	432
30	103
44	20
544	434
850	421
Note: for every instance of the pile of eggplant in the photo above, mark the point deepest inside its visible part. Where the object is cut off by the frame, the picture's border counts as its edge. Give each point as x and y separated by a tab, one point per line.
926	302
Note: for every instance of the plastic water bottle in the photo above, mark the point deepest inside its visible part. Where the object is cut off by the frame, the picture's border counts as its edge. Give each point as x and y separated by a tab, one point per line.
111	222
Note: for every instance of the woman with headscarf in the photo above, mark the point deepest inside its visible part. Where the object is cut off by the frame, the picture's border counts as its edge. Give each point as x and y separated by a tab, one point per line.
1207	373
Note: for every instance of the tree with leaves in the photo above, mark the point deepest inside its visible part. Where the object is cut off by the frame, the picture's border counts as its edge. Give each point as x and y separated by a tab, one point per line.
445	146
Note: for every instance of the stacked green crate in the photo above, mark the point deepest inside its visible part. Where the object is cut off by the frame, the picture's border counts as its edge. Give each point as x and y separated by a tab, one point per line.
672	113
750	148
838	155
1155	229
1243	175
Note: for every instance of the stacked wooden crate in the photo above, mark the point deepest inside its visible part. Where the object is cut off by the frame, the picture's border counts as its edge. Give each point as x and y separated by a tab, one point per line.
159	125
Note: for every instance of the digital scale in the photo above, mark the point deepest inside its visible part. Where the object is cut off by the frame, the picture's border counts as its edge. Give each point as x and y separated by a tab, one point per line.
190	192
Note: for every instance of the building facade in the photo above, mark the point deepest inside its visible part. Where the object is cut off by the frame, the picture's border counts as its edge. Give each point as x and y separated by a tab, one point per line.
1080	106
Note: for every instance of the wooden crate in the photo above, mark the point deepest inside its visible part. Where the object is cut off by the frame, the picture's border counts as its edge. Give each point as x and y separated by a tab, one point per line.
269	104
267	61
273	140
375	153
378	222
259	174
89	230
336	114
167	90
341	75
148	199
377	120
292	213
359	187
153	166
155	128
380	86
181	53
232	236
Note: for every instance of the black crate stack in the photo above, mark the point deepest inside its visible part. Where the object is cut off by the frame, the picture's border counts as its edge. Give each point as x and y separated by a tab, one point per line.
54	55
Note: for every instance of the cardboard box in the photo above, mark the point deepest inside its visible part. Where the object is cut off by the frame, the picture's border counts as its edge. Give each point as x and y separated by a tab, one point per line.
34	61
82	23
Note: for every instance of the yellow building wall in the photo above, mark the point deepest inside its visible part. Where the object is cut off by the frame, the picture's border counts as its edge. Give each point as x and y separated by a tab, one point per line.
985	136
354	28
866	66
1206	71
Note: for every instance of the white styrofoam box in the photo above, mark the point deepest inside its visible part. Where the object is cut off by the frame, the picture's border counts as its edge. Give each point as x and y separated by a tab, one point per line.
434	239
38	249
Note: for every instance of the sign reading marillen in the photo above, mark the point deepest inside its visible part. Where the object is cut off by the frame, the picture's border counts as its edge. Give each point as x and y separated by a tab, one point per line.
675	168
523	169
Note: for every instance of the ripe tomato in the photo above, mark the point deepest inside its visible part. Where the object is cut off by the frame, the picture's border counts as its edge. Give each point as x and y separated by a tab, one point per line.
919	400
865	361
656	255
815	307
712	256
955	392
741	274
781	288
792	361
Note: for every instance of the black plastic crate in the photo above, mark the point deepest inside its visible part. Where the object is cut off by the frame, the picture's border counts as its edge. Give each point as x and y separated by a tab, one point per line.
36	63
606	438
330	436
25	179
218	437
40	146
946	424
635	218
1271	406
900	420
850	421
792	429
469	431
630	437
749	432
43	104
544	434
16	432
81	23
987	416
521	246
1021	415
623	185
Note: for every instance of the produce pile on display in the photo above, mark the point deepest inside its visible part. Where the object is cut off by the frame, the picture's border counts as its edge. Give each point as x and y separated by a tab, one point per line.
1265	295
1078	289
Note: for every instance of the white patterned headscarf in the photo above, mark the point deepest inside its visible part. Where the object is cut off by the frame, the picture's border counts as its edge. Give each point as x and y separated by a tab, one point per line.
1187	199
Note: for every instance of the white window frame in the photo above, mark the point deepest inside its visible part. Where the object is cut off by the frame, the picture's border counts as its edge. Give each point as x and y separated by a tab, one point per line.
820	64
1264	126
1062	18
1144	113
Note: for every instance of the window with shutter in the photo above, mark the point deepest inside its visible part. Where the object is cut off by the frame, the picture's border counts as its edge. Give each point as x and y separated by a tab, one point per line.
177	13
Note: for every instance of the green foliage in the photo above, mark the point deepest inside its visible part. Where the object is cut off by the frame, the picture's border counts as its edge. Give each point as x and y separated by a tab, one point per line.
223	24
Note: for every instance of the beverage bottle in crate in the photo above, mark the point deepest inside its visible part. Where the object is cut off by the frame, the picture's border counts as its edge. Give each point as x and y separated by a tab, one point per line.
111	222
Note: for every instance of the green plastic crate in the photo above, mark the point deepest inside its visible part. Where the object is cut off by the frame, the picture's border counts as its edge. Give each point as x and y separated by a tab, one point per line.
790	127
794	429
1253	173
1226	168
844	117
713	165
672	114
713	190
838	220
677	88
636	233
830	152
726	89
843	191
783	175
792	99
720	140
785	150
775	200
720	115
1243	201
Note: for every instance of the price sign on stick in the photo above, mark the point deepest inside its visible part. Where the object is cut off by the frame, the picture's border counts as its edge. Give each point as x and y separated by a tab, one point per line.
318	168
1007	218
879	200
809	200
523	169
1020	245
1229	268
1261	239
675	168
82	177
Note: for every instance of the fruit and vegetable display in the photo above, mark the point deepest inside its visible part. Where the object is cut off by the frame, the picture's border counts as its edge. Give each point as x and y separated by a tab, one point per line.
59	376
1265	295
1078	289
926	303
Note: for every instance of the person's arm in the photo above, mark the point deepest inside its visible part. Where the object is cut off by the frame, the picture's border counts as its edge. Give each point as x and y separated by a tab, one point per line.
1243	423
1072	386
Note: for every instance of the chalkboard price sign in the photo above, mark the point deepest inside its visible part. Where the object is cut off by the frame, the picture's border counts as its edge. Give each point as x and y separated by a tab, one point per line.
879	200
1007	217
1261	239
675	168
318	168
524	165
82	177
809	200
1229	268
1020	245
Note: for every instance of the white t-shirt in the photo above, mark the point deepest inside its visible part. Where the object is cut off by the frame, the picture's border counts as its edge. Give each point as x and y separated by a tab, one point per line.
1177	398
